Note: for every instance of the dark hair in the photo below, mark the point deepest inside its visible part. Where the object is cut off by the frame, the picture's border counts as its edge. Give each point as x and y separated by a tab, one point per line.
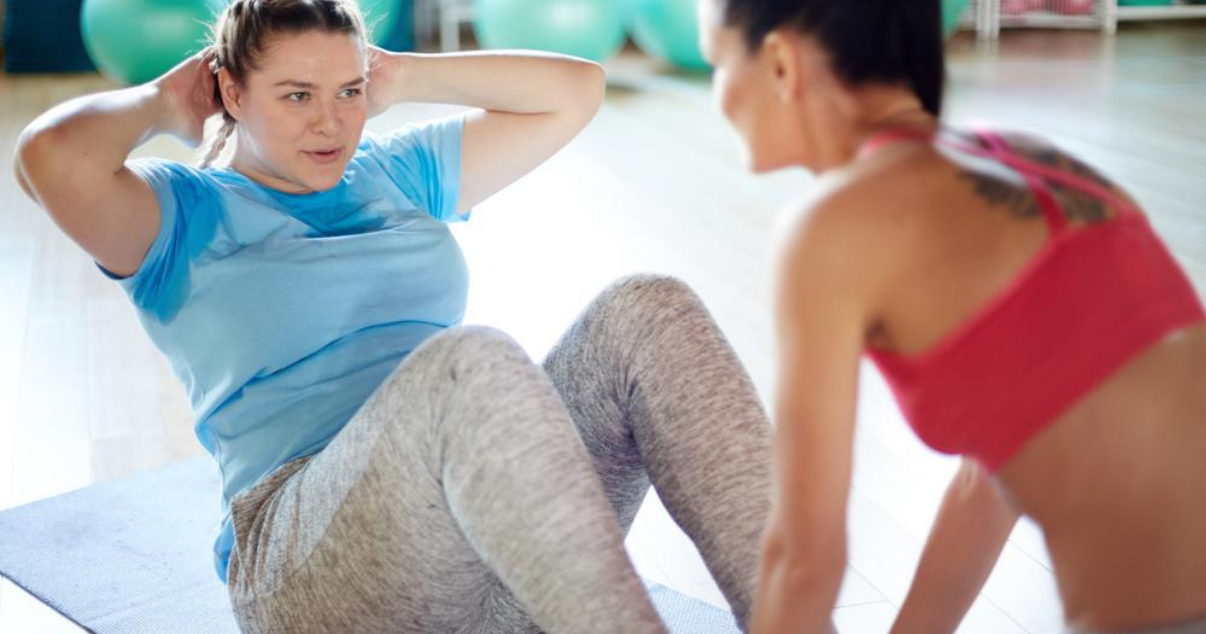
869	40
240	35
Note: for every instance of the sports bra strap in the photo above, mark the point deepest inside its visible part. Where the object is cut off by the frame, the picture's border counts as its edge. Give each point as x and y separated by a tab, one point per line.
1032	171
1052	211
1068	179
888	137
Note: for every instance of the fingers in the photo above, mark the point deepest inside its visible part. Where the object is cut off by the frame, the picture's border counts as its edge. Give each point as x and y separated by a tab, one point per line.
376	55
204	57
211	99
211	87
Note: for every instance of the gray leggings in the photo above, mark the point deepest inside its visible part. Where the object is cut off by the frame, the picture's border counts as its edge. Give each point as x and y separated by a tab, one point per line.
477	492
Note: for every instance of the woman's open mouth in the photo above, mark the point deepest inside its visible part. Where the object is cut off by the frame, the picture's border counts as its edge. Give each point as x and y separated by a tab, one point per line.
325	156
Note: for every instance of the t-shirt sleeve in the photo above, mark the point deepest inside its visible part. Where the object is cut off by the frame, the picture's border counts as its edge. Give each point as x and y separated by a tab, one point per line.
160	285
424	161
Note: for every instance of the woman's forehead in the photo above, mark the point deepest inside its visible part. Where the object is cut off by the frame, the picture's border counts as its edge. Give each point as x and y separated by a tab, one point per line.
312	57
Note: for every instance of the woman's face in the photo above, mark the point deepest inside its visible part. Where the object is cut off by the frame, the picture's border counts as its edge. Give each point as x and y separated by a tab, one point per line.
762	92
739	86
302	112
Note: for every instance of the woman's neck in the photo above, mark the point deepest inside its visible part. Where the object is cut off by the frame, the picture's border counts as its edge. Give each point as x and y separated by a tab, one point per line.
864	113
247	164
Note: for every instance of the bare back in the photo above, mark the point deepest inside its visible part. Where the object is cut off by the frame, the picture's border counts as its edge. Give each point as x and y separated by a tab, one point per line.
1117	481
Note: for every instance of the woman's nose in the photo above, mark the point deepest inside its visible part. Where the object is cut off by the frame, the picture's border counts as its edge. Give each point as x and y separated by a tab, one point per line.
327	120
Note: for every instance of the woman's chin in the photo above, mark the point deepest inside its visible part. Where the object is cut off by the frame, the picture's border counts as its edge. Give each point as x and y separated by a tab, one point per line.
323	182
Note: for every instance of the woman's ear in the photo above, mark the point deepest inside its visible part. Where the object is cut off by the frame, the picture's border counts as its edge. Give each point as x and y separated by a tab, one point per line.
782	60
232	94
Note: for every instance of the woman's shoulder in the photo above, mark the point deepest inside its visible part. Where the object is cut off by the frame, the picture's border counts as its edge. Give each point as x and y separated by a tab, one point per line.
862	224
1078	203
842	228
185	189
862	204
158	172
172	166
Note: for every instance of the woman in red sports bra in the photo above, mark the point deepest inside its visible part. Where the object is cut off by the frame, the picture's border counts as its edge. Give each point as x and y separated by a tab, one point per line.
1019	305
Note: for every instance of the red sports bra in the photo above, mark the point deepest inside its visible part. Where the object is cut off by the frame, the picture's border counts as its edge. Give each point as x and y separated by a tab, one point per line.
1092	299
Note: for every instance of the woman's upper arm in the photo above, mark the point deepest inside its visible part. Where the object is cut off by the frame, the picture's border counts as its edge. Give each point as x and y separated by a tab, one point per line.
822	317
114	217
500	147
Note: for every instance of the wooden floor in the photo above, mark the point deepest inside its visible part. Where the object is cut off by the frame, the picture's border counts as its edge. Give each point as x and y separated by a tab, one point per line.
653	184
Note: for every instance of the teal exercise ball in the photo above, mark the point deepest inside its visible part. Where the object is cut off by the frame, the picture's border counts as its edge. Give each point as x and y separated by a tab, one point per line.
667	30
592	29
382	17
952	10
136	41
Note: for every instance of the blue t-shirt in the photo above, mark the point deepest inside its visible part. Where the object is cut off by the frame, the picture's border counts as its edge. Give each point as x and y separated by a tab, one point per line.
282	313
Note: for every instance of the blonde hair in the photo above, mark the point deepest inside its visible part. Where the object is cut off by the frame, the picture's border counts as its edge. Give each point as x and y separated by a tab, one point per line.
241	32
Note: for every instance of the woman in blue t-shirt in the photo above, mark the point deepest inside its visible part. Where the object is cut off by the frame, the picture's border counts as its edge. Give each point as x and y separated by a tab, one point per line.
384	469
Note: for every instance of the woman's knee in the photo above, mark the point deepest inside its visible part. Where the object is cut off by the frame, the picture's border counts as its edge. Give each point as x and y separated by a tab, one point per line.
468	371
648	288
461	350
449	376
638	306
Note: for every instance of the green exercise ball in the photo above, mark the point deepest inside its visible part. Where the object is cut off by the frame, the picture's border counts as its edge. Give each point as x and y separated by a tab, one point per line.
952	10
592	29
136	41
667	30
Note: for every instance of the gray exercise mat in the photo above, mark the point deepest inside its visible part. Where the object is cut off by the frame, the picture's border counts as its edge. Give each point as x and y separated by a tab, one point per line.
132	556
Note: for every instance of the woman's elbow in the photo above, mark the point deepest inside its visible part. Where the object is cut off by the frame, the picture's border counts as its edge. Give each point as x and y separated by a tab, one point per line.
815	572
20	176
32	157
590	86
805	564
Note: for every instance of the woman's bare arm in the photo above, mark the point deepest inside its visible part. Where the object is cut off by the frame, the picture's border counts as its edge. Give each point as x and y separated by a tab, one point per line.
72	161
972	527
532	105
